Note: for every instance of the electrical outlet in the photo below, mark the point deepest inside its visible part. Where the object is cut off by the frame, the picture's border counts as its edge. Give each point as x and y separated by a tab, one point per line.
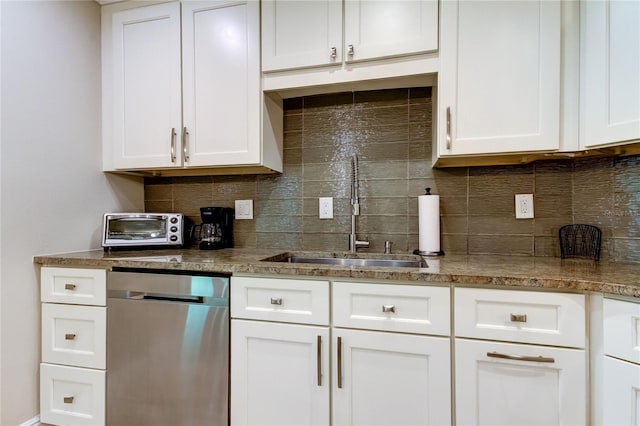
325	207
244	209
524	206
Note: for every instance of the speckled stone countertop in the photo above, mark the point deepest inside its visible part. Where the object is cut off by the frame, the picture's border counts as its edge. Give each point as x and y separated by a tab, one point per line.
494	271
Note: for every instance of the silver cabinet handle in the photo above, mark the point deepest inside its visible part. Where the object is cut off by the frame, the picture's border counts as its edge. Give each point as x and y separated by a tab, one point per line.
350	50
518	318
339	362
334	52
69	336
185	151
389	308
520	357
69	286
448	127
276	300
173	144
68	399
319	360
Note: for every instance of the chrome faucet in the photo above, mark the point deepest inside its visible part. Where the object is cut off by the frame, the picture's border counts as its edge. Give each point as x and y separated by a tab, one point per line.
354	243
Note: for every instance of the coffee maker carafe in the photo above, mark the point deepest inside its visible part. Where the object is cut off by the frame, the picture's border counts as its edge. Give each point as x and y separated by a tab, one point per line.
216	229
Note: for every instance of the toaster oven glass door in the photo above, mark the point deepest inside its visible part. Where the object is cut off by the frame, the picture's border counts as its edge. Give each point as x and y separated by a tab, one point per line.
146	227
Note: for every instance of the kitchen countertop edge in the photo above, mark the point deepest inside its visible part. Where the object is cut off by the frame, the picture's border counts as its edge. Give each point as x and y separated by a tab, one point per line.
550	273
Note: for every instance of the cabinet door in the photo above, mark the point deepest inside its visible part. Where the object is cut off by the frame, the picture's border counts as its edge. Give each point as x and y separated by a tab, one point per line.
279	374
298	34
378	29
221	82
390	379
610	71
499	83
492	390
621	403
146	84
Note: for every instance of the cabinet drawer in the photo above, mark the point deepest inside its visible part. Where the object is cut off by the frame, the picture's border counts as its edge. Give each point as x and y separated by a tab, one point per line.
71	396
521	316
76	286
392	307
621	329
275	299
74	335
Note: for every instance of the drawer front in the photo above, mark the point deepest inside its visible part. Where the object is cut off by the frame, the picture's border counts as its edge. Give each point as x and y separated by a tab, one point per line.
392	307
521	316
621	329
76	286
74	335
285	300
71	396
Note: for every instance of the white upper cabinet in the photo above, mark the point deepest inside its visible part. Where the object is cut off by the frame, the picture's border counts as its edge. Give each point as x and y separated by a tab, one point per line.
182	91
610	71
298	34
317	45
379	29
309	34
146	81
499	80
221	83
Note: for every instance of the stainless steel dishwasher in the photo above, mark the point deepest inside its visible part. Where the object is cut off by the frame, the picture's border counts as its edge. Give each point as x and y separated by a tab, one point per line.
167	348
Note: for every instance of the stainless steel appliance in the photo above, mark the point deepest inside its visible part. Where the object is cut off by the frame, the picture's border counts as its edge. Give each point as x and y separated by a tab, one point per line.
216	229
167	348
137	230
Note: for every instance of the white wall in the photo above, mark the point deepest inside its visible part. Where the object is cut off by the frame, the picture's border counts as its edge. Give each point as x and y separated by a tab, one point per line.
52	193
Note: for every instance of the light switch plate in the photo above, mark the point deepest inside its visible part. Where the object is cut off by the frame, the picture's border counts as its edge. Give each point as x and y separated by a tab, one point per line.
325	207
244	209
524	206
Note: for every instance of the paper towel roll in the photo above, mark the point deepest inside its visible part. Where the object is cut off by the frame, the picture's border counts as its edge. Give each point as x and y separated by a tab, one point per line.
429	223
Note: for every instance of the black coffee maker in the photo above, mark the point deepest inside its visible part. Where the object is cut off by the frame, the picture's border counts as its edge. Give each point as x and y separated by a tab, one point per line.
216	230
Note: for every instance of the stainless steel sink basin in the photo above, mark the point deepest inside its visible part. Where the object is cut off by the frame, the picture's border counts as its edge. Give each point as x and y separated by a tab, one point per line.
348	259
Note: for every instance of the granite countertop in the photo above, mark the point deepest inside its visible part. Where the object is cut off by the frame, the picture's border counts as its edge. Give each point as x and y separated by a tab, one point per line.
494	271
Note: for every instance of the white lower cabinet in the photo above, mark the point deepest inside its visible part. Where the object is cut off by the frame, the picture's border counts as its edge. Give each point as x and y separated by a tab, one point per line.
72	396
619	401
279	374
542	379
282	372
509	384
390	379
74	326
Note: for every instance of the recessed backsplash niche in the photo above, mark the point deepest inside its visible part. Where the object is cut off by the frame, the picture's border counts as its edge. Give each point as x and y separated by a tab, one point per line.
391	132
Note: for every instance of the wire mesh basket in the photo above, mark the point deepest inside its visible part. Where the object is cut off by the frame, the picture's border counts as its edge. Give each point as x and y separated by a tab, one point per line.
580	240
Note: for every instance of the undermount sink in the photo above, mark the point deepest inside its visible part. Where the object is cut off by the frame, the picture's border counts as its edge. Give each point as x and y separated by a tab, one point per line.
349	259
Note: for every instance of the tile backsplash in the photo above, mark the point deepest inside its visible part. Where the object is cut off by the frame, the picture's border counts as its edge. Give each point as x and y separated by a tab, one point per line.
391	132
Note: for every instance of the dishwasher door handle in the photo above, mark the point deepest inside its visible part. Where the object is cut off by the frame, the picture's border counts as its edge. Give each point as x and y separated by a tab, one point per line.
138	295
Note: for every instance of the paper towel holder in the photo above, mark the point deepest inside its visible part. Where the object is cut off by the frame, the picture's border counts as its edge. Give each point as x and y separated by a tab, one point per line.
427	191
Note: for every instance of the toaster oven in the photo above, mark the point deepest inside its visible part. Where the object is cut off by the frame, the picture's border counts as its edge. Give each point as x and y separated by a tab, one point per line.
138	230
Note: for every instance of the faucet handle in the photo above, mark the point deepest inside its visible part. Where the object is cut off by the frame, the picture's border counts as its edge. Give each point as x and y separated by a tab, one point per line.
387	247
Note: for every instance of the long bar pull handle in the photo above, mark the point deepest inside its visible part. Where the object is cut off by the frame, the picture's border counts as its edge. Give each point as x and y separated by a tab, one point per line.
339	362
388	308
69	286
185	150
276	300
521	357
448	127
67	399
173	144
319	360
518	318
69	336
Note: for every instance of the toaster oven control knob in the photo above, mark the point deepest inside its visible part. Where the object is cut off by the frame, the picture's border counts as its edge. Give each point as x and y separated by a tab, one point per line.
174	238
174	229
173	220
